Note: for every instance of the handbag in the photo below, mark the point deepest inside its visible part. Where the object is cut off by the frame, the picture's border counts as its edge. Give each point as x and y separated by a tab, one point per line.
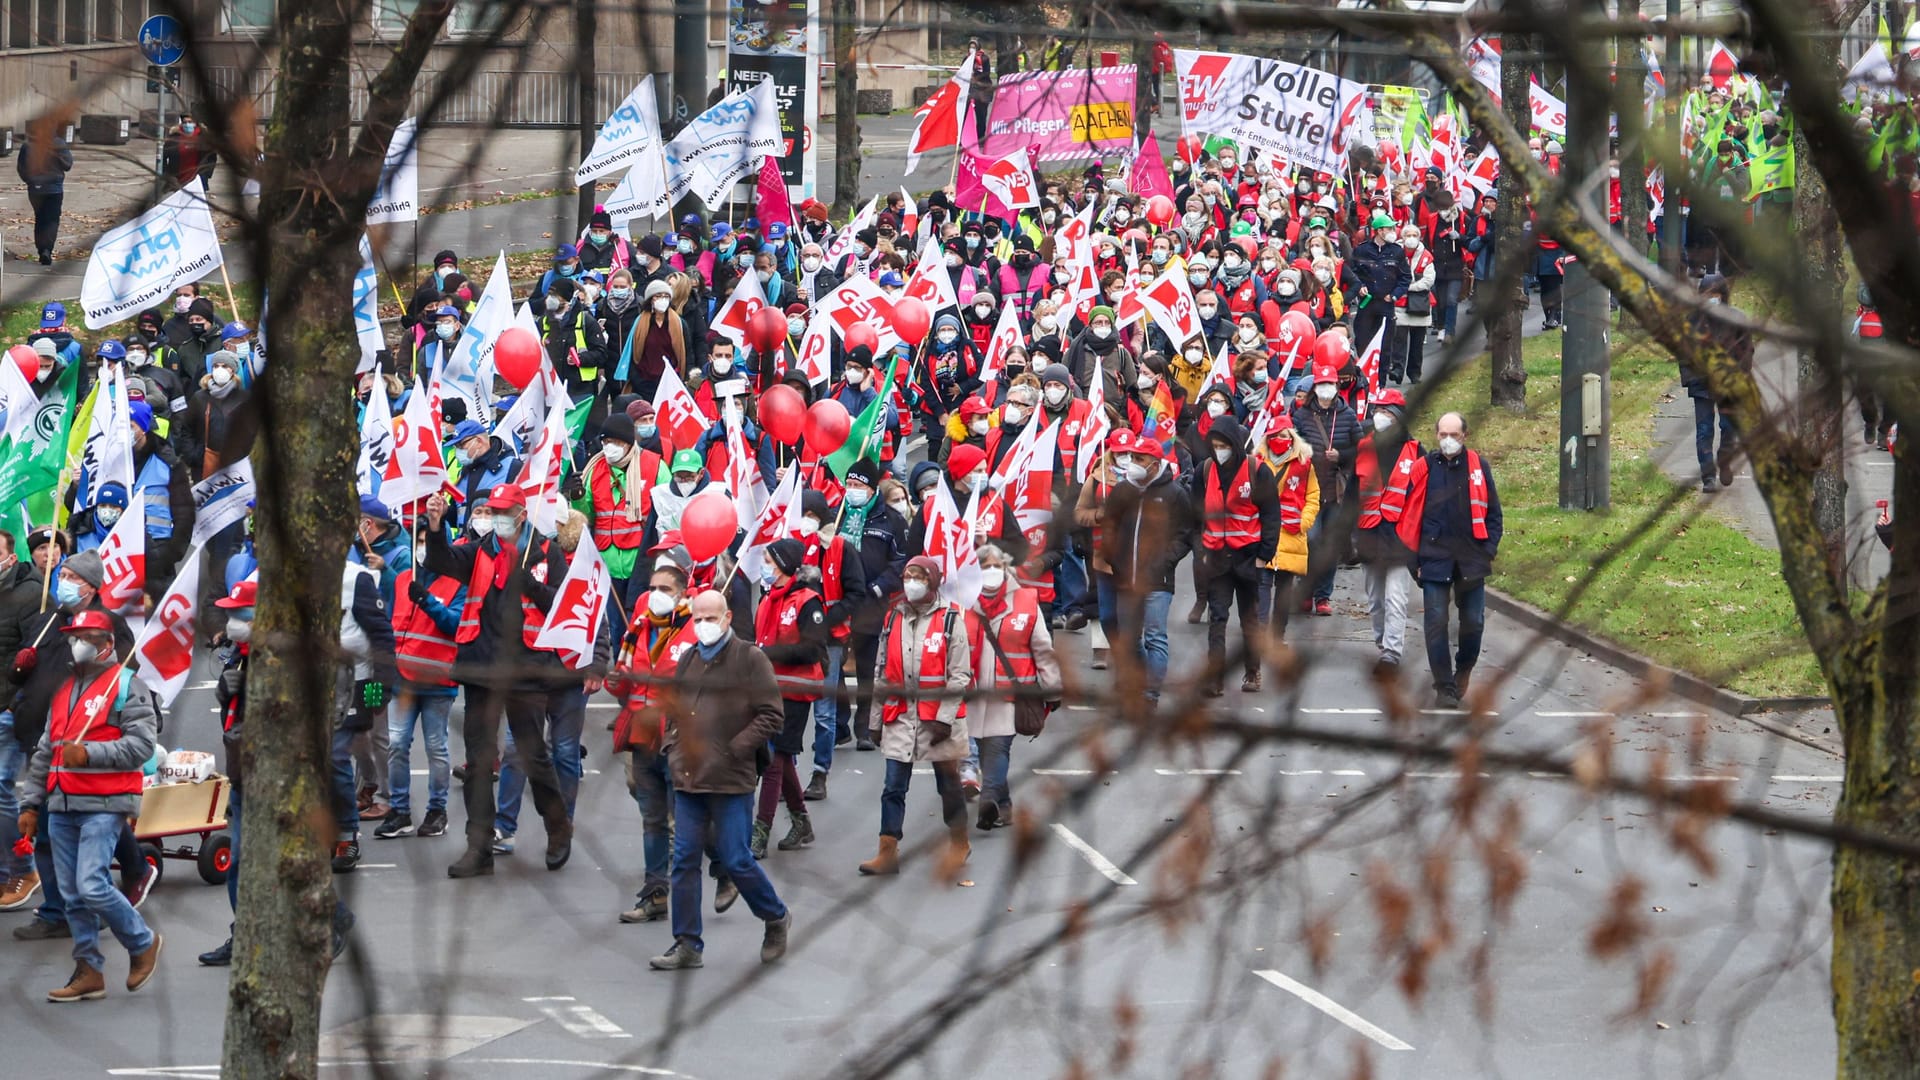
1029	712
1420	303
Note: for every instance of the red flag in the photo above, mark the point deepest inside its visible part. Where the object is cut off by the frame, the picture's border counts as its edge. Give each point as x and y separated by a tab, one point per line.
771	199
1147	176
165	646
1170	301
1370	370
1011	181
680	418
937	122
579	608
741	307
1721	65
124	554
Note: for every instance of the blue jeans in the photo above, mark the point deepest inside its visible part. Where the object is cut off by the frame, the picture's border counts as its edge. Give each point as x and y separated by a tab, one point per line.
1146	617
996	753
83	846
729	818
566	718
1703	413
893	795
430	711
1317	541
826	712
647	780
1471	597
1070	586
1446	304
12	759
346	807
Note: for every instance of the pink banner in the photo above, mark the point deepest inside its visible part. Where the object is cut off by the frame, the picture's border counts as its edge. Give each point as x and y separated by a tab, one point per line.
1066	114
970	192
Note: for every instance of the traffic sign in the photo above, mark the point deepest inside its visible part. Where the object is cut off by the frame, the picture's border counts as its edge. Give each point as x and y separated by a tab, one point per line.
154	73
161	40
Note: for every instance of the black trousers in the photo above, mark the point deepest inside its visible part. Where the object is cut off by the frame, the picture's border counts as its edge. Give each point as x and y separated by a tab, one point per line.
46	221
1234	583
866	657
526	712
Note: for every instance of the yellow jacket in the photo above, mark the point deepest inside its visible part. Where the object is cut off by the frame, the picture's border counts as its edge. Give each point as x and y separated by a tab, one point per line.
1290	553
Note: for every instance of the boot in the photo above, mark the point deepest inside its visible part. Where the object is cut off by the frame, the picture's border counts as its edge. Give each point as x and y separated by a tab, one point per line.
648	909
954	858
1251	683
801	834
679	958
472	864
725	892
884	861
86	984
773	944
816	788
559	843
1197	612
141	966
219	956
758	845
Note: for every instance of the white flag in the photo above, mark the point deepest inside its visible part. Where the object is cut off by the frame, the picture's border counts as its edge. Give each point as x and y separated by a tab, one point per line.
164	648
950	543
579	607
932	282
816	349
639	193
138	264
540	478
107	455
460	375
398	196
376	441
221	499
737	313
1006	335
629	137
743	480
778	518
418	467
366	310
124	555
720	146
17	401
1093	434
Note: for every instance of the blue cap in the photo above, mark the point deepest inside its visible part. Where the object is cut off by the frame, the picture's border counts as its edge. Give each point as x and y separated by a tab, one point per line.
141	414
752	224
692	220
234	330
777	231
567	251
53	315
892	280
111	493
445	310
670	240
721	230
375	509
111	350
467	429
596	276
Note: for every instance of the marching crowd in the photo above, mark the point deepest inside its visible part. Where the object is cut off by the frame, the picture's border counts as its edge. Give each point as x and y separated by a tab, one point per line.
1267	449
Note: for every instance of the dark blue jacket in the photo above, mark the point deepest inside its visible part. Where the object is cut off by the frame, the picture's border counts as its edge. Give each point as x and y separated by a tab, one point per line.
1448	549
1382	268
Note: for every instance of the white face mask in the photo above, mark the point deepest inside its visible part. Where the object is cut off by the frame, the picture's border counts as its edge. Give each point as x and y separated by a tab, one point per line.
992	578
947	337
1324	392
480	526
1145	381
722	365
108	515
1223	454
1103	331
982	310
1015	414
1248	333
810	264
1046	323
1382	421
83	652
855	378
240	630
1269	265
615	453
809	527
1451	446
659	603
1216	409
978	427
1194	356
1209	312
222	375
419	554
1056	395
901	507
914	590
708	631
660	302
1137	471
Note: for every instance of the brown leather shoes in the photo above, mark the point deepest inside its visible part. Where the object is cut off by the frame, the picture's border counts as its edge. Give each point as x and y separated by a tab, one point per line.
144	964
85	985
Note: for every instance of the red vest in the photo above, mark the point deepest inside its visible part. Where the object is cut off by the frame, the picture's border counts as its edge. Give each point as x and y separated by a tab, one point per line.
1015	638
611	528
423	654
663	646
778	623
1383	502
1029	574
1245	298
480	582
1869	324
832	561
1293	495
92	721
1232	520
1409	528
1078	410
933	666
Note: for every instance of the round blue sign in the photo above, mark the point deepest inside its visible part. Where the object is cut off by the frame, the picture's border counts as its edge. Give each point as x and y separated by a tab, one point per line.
161	40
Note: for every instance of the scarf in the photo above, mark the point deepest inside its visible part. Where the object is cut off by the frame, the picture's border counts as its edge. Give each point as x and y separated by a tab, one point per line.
708	652
853	520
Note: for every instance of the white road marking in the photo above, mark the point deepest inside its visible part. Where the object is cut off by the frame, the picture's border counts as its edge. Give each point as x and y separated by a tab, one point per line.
1301	772
1453	712
199	686
1080	708
1546	775
1676	715
1334	1009
1444	776
1573	715
379	866
1341	712
1095	859
1794	778
1345	772
1063	772
580	1020
1198	772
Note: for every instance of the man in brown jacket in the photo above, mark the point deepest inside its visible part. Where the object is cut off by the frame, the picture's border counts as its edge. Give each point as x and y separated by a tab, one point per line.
720	714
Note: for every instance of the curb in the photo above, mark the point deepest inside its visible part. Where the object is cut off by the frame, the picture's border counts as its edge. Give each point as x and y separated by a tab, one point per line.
1683	684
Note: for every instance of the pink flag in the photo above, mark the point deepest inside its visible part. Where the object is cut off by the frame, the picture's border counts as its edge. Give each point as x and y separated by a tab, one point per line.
1148	175
771	199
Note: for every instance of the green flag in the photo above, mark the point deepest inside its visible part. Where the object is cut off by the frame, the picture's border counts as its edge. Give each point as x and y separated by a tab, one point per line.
863	438
30	465
576	429
1770	170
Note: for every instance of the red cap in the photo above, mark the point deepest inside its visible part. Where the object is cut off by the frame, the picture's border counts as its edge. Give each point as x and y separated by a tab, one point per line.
506	495
243	595
964	459
1281	422
1121	442
1390	396
972	407
90	619
1325	373
668	541
1150	448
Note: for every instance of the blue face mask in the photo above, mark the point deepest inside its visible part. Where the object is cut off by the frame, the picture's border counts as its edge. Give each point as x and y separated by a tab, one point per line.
67	593
569	269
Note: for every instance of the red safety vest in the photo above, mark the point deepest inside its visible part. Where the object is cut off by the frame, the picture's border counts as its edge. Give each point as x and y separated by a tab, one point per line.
99	704
778	623
611	526
1293	495
423	654
1015	638
1245	298
1416	508
832	561
1232	520
1383	502
1869	324
480	582
1075	421
1029	574
659	658
933	666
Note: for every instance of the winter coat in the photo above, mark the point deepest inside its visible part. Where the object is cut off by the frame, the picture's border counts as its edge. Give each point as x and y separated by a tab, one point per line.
1147	531
1448	549
1290	549
139	726
907	739
1336	427
216	431
883	554
1381	268
19	603
987	716
1421	282
719	717
44	171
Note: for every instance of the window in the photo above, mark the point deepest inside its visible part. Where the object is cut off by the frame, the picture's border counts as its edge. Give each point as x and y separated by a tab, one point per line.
20	24
76	25
477	16
106	21
250	14
132	14
391	16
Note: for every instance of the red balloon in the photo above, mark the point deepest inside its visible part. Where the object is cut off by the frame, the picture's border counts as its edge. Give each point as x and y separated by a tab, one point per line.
767	330
27	360
1331	350
782	412
517	356
1160	210
1296	339
707	524
827	426
1190	148
861	334
911	320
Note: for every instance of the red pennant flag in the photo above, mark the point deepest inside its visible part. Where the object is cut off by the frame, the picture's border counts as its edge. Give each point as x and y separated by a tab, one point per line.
771	199
1148	175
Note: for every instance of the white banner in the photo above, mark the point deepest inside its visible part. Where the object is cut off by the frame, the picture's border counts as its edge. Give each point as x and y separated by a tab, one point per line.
124	555
164	649
1300	114
722	146
107	454
464	375
579	607
398	196
136	265
366	309
628	138
376	440
220	500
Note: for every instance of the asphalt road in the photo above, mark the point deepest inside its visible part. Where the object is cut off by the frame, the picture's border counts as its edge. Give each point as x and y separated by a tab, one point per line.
528	973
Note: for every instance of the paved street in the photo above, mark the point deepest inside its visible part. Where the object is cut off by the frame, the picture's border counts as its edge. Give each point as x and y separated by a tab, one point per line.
530	971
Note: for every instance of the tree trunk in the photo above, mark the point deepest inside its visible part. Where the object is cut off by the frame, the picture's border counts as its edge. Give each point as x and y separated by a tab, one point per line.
1511	245
586	63
307	243
1816	233
846	112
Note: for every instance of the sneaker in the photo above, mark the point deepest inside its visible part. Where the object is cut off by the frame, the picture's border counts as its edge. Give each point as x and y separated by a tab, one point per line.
1076	620
649	909
20	891
1709	485
346	856
434	824
1058	622
559	844
343	921
138	894
85	984
774	945
364	801
679	958
862	742
141	966
842	736
1250	684
220	956
395	826
816	788
725	892
502	842
969	782
1446	697
1099	659
1197	612
376	811
42	930
989	816
1323	607
1726	470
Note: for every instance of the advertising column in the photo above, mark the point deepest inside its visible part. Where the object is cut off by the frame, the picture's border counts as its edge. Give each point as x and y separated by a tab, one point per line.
778	41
